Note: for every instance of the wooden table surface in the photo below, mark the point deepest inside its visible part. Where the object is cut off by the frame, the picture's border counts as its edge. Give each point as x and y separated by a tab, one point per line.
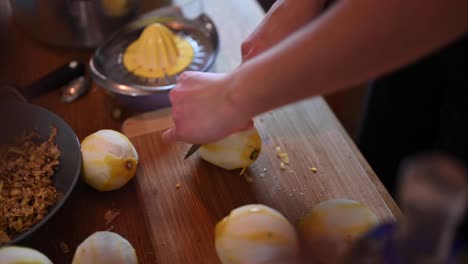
25	60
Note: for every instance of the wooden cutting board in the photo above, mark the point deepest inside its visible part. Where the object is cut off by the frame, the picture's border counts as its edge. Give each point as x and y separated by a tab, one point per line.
181	219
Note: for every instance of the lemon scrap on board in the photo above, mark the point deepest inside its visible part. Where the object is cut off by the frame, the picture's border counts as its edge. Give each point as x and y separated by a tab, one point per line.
109	160
104	247
158	52
237	151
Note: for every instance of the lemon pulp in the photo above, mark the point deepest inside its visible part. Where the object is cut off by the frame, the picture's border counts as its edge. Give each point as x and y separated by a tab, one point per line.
157	52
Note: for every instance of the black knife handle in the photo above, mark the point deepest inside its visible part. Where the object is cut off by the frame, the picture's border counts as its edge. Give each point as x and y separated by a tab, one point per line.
55	79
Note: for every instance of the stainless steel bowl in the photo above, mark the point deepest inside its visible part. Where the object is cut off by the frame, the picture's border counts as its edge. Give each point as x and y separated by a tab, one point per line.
145	94
77	23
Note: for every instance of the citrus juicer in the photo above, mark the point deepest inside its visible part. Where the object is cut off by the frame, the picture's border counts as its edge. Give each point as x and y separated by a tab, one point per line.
140	63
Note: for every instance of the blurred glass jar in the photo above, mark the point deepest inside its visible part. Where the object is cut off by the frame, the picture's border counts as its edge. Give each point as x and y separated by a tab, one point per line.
77	23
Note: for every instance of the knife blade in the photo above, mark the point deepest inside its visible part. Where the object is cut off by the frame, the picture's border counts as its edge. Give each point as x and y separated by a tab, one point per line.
192	150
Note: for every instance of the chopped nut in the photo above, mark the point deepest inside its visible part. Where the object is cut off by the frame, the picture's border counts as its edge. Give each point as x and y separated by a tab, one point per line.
177	185
110	215
64	247
313	169
26	184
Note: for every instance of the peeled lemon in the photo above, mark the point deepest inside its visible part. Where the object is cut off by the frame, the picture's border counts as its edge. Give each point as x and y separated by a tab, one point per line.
237	151
16	255
105	247
256	234
331	227
109	160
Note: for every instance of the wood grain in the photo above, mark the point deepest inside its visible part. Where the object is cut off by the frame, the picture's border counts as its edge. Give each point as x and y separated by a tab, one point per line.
181	220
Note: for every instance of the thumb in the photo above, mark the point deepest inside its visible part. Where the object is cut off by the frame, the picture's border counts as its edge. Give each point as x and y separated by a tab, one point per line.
170	135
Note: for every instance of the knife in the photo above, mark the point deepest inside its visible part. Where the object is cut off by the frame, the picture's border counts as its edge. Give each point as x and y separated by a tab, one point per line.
192	150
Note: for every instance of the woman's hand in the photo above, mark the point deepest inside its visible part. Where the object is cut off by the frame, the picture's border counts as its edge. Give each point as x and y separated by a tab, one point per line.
202	110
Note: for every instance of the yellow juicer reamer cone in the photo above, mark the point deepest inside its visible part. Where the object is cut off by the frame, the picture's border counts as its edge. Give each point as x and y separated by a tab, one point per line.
158	52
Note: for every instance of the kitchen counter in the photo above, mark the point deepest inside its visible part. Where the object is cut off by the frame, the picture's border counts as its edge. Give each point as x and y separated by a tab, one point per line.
25	60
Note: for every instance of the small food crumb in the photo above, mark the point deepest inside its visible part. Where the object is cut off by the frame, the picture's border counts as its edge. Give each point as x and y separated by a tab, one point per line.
177	185
282	166
242	171
64	247
290	195
302	193
264	169
116	113
110	215
248	178
282	155
313	169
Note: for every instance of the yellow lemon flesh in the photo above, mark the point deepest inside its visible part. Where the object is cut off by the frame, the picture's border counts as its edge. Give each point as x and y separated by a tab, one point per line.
105	247
109	160
157	53
237	151
22	255
331	227
256	234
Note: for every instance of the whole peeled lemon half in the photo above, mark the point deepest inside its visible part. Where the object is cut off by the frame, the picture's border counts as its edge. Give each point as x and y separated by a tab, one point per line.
329	230
18	255
109	160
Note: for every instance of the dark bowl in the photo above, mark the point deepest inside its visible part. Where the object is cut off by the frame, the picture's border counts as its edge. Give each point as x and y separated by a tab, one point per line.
18	117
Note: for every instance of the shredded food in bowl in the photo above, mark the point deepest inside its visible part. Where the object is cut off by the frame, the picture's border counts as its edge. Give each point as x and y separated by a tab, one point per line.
26	185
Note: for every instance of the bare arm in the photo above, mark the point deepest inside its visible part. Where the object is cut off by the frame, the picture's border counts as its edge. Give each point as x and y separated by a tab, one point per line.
283	18
355	41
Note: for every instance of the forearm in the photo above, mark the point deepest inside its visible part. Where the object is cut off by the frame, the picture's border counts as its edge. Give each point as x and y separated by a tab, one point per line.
283	18
353	42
